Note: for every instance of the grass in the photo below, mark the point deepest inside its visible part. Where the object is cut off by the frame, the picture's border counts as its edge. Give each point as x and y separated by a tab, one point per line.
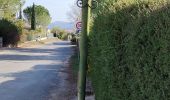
75	62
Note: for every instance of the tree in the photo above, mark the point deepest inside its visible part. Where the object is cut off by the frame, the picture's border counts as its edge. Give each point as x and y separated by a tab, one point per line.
33	20
20	12
20	9
42	15
74	14
9	8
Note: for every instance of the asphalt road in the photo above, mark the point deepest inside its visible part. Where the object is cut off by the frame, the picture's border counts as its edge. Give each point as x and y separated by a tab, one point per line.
30	73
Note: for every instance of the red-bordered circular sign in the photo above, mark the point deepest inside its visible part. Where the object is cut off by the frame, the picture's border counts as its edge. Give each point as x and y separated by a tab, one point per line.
79	25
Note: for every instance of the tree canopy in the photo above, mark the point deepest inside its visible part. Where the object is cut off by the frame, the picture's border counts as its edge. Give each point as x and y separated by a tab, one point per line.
33	21
42	15
74	14
9	8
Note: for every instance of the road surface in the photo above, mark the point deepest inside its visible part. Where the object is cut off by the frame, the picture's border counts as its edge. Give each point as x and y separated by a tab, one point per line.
30	73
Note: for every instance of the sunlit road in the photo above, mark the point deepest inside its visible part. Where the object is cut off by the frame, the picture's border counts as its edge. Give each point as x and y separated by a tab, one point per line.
30	73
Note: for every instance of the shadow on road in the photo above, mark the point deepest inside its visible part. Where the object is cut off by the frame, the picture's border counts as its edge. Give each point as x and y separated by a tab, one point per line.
43	53
37	82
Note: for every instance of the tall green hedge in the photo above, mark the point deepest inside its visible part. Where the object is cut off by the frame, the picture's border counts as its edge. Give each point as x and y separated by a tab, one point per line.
129	50
10	33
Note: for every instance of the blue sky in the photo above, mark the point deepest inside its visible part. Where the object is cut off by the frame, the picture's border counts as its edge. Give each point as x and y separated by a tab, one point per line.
57	8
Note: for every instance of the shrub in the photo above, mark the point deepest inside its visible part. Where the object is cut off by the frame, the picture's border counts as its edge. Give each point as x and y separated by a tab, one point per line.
30	37
23	38
24	35
20	25
130	50
64	36
60	33
9	32
74	40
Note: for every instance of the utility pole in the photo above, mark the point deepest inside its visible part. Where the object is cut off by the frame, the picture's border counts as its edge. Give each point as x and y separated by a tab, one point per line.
83	48
33	20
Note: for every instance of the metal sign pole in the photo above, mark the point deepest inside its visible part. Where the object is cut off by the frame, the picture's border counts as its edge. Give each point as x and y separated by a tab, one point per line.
86	6
83	50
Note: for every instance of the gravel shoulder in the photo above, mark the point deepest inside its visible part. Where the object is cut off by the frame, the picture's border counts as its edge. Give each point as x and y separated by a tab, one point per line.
34	44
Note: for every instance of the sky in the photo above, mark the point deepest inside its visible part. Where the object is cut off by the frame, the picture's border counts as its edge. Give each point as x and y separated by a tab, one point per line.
58	8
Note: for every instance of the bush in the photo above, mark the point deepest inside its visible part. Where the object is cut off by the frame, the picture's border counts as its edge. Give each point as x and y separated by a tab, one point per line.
30	37
9	32
130	50
24	35
64	36
74	39
20	25
60	33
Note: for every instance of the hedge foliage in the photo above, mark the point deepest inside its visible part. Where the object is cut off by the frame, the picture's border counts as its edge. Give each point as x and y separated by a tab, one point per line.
9	32
130	50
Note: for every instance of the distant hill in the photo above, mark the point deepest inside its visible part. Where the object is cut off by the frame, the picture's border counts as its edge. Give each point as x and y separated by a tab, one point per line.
62	25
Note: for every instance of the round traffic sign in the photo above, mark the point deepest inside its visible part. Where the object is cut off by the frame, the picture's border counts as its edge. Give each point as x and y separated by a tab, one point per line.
79	25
